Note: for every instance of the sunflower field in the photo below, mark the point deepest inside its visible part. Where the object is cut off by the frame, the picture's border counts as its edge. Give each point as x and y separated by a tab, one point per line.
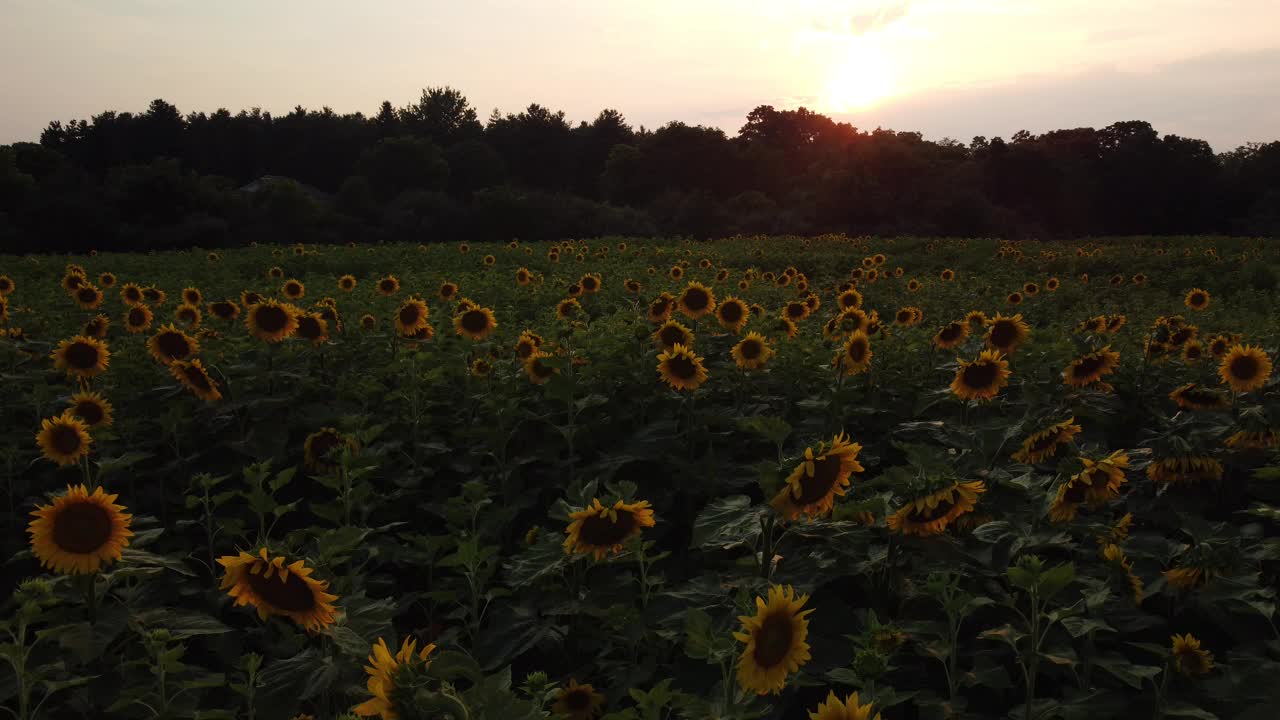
762	477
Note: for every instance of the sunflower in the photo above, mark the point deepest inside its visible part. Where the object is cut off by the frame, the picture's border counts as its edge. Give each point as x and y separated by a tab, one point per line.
632	286
813	485
170	344
913	285
1245	368
79	532
1042	445
1124	566
795	311
275	273
528	344
775	638
271	321
982	378
423	333
1114	323
1031	289
947	275
930	514
1184	469
193	376
153	295
311	326
249	298
1015	298
848	709
975	319
1051	284
1193	396
475	323
1188	658
95	328
696	300
64	439
347	283
672	333
1253	439
188	315
88	297
568	309
1117	280
538	371
411	316
676	272
138	319
591	283
192	296
681	368
73	280
1193	351
368	322
92	409
752	351
6	285
1197	299
849	299
1070	496
1103	478
388	286
855	355
224	310
1090	368
82	356
578	702
601	530
732	314
318	446
294	289
489	260
1007	333
274	586
951	335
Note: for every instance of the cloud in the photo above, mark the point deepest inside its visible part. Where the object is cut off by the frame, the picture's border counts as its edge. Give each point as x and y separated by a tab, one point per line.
869	20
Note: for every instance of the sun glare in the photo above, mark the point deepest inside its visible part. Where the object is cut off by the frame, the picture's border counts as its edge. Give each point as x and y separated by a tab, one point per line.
859	79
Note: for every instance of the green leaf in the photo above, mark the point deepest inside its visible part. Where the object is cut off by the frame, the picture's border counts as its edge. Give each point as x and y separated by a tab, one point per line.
1125	671
726	523
180	624
1056	579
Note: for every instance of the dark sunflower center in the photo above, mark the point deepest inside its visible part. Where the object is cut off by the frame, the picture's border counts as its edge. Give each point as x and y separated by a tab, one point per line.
409	315
659	307
603	532
927	514
1075	493
323	445
1180	336
252	299
589	283
133	294
197	377
222	309
82	356
66	440
1044	442
1194	352
93	328
524	349
272	319
857	351
448	291
980	375
90	411
541	370
1200	397
387	285
173	345
682	368
137	316
1244	367
796	310
696	299
750	349
1087	366
151	294
904	316
293	288
567	309
5	285
1003	334
82	528
191	298
671	335
951	332
1197	299
1097	479
309	328
87	294
731	312
475	321
292	595
74	281
774	639
825	473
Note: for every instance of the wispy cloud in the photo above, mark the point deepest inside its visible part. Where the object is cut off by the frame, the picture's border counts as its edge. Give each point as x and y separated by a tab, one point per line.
864	21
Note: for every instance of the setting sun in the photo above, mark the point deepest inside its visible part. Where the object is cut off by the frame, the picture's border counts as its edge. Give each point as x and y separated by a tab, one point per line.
860	78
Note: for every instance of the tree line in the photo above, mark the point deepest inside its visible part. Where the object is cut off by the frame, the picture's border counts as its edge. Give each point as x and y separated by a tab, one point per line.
433	171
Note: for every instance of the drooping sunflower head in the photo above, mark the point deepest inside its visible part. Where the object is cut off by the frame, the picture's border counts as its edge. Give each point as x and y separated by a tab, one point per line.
1184	469
192	296
696	300
193	375
1189	659
411	316
578	702
321	445
1091	367
672	333
95	328
87	296
1196	299
538	371
1115	323
975	319
1043	444
981	378
475	323
599	529
821	476
848	709
1245	368
681	368
277	587
79	532
776	641
930	513
568	309
951	335
1103	478
64	439
384	669
249	298
752	351
271	321
82	356
732	314
224	310
170	344
1007	333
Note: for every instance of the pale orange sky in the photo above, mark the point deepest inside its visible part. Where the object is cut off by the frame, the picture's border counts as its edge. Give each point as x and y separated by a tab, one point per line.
958	68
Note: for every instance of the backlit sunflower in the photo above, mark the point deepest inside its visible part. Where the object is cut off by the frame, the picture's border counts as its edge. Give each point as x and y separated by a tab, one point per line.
1070	496
293	289
411	316
224	310
1043	444
696	300
318	446
153	295
849	299
311	326
169	344
981	378
601	530
823	474
732	314
64	439
194	377
776	641
1197	299
1031	289
192	296
138	319
681	368
578	702
1193	396
275	586
1007	333
672	333
931	514
537	371
1220	345
1090	368
1123	566
73	280
79	532
347	283
1193	351
752	351
82	357
271	321
388	286
93	409
848	709
1184	469
1051	284
591	283
855	355
88	297
475	323
568	309
951	335
249	298
6	285
1245	368
975	319
1188	657
97	327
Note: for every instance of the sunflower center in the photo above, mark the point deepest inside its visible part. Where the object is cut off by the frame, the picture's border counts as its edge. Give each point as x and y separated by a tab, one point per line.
826	472
82	528
857	351
950	332
1003	334
272	319
524	349
173	345
750	349
774	640
796	310
309	328
1197	299
1097	479
980	375
66	439
603	532
222	309
1087	366
671	335
588	283
1180	336
87	294
475	321
682	367
1075	493
387	286
1244	367
542	370
1044	442
577	700
292	595
323	445
82	355
731	312
696	298
91	412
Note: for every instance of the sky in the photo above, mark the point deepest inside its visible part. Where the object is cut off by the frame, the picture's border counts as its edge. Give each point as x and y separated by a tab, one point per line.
1208	69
